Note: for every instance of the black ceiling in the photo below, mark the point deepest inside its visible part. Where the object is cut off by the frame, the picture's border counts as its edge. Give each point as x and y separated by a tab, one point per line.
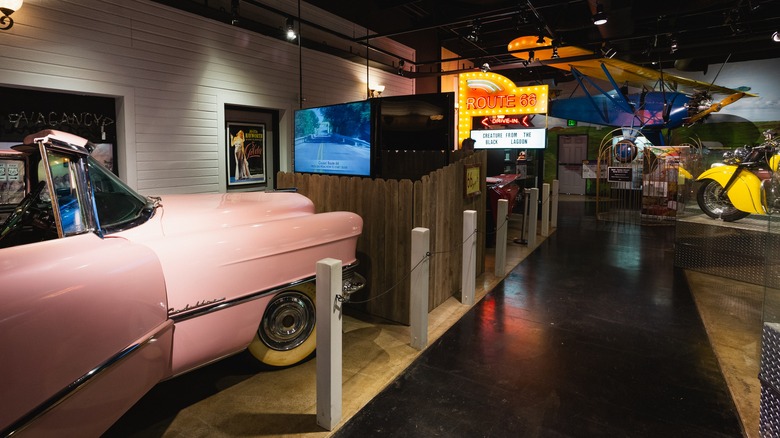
706	31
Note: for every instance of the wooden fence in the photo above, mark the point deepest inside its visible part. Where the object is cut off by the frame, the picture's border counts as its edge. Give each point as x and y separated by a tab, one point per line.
390	210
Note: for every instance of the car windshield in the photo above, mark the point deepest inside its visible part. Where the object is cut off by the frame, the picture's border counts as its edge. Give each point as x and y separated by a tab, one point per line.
35	219
118	206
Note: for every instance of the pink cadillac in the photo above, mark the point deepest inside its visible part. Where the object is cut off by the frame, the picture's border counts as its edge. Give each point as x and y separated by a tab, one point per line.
104	292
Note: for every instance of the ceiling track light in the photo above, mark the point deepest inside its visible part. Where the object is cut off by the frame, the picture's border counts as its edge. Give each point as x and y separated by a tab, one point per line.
555	53
234	13
291	35
519	20
540	40
673	46
473	36
600	17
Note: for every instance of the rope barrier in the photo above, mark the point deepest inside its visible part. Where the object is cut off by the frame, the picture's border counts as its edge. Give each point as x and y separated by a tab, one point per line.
428	255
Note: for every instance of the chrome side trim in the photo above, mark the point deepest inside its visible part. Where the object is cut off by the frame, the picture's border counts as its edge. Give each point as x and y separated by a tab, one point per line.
22	422
221	305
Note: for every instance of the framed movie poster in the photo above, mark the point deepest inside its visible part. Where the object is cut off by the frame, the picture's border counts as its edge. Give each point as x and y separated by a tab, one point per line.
245	154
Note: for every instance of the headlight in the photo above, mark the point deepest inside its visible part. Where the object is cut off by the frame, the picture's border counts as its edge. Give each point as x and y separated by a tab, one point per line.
728	158
740	153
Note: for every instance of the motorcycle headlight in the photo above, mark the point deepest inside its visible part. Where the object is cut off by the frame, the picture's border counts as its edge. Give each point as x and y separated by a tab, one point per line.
740	153
729	158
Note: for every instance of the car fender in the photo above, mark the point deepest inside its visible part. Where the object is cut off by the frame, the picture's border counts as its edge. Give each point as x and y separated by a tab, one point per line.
70	310
219	282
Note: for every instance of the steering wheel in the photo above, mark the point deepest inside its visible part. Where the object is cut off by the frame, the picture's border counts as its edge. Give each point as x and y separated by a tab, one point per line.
22	210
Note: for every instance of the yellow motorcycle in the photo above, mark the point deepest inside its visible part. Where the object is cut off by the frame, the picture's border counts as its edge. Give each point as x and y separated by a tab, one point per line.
742	183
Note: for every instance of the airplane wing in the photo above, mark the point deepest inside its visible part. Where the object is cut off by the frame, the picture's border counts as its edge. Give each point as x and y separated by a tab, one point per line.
621	71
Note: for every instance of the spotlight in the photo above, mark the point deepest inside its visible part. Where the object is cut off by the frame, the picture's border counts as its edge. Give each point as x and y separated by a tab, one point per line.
555	53
401	64
473	36
8	7
291	35
600	17
776	37
519	20
234	13
673	47
540	40
531	56
485	67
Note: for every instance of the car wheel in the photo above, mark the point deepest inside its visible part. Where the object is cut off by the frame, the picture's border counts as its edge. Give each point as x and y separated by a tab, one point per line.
287	332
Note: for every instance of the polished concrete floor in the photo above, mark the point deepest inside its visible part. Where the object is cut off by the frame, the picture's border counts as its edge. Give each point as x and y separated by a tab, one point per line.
594	333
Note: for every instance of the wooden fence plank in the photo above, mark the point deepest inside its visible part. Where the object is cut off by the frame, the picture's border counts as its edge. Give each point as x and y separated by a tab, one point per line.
390	210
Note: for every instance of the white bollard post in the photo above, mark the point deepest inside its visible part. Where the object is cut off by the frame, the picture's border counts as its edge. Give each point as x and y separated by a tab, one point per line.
554	205
533	216
469	271
526	212
545	209
502	223
329	343
418	313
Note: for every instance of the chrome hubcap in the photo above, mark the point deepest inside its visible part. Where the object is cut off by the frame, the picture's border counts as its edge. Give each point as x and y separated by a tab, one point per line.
288	321
713	197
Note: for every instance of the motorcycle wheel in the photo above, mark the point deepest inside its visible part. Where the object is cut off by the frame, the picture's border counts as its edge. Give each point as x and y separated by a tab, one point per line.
716	206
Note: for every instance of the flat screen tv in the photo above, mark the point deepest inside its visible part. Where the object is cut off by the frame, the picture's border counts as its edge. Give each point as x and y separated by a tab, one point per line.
421	122
334	139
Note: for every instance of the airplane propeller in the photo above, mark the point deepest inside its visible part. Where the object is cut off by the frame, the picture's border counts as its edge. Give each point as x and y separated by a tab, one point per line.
713	108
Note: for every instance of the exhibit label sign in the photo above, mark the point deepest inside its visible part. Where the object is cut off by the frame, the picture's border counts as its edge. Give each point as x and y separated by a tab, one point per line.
619	174
471	180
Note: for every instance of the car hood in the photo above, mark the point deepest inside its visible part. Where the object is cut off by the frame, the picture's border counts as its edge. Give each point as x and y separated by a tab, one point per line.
183	214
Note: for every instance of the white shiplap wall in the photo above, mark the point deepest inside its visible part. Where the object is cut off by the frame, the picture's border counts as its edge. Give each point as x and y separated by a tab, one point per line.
172	74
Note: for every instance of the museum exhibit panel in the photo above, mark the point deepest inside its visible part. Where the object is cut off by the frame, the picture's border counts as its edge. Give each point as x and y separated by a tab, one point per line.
172	171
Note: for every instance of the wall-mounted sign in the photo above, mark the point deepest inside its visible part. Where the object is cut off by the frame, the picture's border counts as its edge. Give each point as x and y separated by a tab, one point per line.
590	170
532	138
471	180
490	94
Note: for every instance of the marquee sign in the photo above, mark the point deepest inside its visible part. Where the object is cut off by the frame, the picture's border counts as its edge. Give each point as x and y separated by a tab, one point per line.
489	94
533	138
